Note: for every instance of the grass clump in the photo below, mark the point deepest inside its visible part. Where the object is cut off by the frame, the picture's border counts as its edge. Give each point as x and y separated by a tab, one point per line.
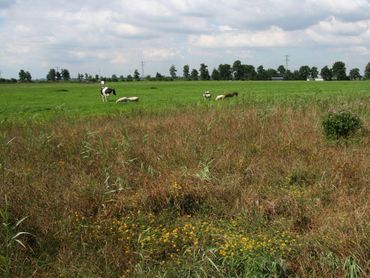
341	124
10	238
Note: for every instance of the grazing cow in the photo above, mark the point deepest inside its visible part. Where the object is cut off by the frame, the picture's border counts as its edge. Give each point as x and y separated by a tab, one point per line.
220	97
133	98
231	94
105	93
122	99
207	95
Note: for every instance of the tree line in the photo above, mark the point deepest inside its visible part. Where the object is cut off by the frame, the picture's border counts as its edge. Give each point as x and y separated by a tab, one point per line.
236	71
239	71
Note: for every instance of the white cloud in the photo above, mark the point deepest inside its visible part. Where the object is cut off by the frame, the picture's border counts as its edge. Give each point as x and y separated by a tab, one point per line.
125	29
118	58
335	32
160	53
273	37
79	54
340	6
360	50
225	28
87	35
335	26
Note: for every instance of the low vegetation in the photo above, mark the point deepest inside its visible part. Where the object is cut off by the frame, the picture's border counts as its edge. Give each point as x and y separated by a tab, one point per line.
341	124
235	189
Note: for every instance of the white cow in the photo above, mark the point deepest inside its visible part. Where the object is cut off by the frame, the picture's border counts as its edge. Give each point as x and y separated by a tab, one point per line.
133	98
220	97
207	95
122	99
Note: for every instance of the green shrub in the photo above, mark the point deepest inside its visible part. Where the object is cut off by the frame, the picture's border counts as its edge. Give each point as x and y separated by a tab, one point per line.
341	124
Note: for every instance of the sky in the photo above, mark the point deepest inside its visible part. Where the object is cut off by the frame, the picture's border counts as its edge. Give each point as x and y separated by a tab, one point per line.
115	36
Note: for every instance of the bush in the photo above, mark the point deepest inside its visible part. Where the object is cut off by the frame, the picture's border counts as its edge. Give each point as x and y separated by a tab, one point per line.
341	124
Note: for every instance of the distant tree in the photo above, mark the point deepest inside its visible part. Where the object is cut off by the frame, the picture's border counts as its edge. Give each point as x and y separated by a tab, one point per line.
25	76
296	75
304	72
261	73
114	78
225	71
238	70
121	78
271	73
28	76
314	72
173	71
326	73
129	78
367	71
80	77
51	76
215	75
58	76
22	75
281	70
339	71
249	72
194	75
159	77
136	75
354	74
66	76
203	72
288	75
186	72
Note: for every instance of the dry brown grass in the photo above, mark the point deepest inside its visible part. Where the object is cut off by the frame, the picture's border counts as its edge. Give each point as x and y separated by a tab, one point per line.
272	166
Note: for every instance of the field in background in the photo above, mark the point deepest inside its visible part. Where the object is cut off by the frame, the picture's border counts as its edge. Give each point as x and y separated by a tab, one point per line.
45	100
175	186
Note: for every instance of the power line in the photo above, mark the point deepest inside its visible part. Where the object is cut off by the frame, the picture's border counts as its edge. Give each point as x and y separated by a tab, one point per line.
286	62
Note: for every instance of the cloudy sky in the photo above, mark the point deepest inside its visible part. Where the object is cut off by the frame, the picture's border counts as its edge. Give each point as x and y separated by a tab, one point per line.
113	37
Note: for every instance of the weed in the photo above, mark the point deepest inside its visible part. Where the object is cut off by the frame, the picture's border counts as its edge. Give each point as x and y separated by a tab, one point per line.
11	236
341	124
352	268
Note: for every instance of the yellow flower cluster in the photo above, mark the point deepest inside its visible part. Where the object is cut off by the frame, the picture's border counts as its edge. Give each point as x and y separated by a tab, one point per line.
175	189
236	244
171	241
141	233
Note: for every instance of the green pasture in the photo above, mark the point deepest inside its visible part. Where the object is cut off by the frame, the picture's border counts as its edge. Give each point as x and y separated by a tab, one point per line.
45	100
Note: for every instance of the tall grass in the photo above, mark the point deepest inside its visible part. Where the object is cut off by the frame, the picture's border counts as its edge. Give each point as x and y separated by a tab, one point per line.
230	190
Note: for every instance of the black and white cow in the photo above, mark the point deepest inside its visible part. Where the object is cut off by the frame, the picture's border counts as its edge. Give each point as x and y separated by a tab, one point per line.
207	95
105	92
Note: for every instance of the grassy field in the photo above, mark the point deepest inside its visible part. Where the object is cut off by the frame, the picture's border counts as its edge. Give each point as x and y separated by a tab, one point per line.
45	100
175	186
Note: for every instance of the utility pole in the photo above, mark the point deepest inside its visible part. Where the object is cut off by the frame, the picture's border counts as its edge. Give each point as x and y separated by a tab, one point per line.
286	62
142	69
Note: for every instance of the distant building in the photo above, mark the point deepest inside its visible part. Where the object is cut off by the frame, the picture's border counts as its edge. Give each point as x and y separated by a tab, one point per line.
277	78
319	78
